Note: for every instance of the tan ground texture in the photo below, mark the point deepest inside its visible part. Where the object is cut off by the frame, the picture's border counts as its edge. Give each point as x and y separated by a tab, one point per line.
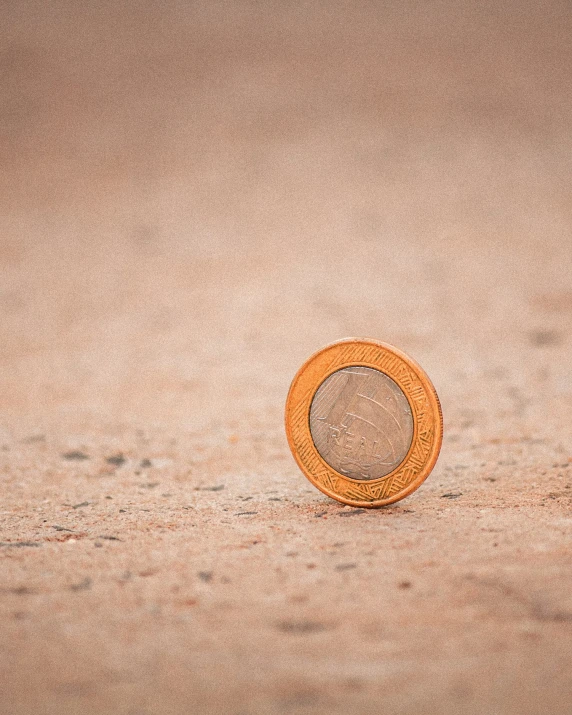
195	197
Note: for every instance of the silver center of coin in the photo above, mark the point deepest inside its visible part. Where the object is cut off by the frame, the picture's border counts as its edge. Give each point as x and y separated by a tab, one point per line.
361	423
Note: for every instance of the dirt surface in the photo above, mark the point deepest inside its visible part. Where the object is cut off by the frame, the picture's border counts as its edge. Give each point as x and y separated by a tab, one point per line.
196	196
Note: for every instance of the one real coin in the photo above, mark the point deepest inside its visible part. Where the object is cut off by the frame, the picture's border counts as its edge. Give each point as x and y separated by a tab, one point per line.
364	422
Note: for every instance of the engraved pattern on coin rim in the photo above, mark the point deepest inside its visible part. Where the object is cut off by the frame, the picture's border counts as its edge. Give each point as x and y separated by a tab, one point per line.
428	425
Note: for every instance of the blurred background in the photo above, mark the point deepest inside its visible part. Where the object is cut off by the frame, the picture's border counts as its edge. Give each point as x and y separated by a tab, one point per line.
196	196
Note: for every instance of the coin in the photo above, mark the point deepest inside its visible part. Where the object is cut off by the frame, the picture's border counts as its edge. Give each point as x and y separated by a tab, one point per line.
363	422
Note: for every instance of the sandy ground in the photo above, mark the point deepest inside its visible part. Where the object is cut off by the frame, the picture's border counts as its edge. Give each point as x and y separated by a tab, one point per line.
195	197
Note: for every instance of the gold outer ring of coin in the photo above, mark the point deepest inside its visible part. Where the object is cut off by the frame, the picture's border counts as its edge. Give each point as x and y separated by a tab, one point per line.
425	409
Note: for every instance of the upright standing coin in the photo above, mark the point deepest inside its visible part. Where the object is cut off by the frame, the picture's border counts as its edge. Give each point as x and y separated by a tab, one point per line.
363	422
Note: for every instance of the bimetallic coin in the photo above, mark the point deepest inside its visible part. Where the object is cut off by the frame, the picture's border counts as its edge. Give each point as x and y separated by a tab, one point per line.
363	422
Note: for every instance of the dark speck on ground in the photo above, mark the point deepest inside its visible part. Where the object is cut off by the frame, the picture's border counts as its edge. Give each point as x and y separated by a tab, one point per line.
75	456
117	460
83	585
301	627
